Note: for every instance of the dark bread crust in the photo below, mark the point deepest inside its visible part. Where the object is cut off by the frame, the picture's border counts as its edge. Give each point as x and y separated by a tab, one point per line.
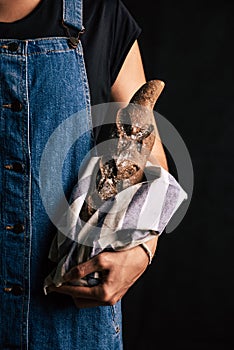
136	136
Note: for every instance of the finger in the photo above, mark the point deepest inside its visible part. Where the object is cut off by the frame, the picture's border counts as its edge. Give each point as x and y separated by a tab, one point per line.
83	269
101	295
77	291
93	265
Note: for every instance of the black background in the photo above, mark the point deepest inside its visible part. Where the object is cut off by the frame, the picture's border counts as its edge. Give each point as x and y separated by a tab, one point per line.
185	299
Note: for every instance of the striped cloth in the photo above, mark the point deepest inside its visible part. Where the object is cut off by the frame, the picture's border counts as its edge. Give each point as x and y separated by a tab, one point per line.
133	216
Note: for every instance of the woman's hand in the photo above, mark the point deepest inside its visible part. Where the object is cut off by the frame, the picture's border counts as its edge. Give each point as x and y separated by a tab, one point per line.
119	271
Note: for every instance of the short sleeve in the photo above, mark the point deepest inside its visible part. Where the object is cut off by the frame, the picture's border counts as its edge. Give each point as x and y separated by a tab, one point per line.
126	31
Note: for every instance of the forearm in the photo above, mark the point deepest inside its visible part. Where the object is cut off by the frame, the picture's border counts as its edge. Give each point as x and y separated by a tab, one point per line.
129	79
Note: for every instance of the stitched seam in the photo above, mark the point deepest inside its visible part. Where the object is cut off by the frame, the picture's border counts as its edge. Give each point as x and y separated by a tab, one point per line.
23	263
85	87
29	195
39	53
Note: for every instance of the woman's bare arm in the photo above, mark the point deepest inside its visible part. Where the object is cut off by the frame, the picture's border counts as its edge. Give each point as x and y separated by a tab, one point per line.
128	81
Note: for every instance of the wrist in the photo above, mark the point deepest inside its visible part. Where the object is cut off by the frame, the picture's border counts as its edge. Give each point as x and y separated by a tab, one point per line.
150	248
152	244
148	252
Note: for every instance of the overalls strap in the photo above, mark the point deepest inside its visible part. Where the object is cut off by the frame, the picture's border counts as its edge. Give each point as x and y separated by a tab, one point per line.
73	13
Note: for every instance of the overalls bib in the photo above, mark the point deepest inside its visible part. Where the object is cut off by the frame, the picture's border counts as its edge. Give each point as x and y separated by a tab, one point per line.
43	84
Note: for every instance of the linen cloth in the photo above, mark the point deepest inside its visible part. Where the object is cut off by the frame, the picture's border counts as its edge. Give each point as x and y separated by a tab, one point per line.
133	216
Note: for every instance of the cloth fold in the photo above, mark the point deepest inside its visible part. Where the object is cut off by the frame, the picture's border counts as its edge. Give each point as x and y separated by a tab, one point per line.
133	216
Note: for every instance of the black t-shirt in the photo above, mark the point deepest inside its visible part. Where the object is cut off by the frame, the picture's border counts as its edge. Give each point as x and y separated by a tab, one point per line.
110	32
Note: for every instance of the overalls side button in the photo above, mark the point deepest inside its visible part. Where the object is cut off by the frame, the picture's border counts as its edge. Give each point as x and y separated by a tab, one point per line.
17	167
17	228
13	46
15	289
16	106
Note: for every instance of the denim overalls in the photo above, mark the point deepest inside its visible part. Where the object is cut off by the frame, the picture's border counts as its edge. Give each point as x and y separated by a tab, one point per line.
43	83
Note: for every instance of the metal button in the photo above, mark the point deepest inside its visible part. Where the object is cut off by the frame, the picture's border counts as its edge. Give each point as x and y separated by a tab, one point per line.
13	46
16	106
17	167
18	228
15	289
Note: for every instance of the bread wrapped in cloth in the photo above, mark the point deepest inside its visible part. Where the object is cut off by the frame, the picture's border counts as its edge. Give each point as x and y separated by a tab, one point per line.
135	131
119	202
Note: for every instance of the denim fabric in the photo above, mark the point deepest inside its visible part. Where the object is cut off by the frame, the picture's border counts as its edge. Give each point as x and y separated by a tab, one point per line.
43	82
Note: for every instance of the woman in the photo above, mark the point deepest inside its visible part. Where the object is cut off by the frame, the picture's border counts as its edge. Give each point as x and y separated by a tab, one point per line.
44	82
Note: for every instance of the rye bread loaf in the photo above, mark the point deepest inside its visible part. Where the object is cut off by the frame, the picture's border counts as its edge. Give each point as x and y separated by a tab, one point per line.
135	133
